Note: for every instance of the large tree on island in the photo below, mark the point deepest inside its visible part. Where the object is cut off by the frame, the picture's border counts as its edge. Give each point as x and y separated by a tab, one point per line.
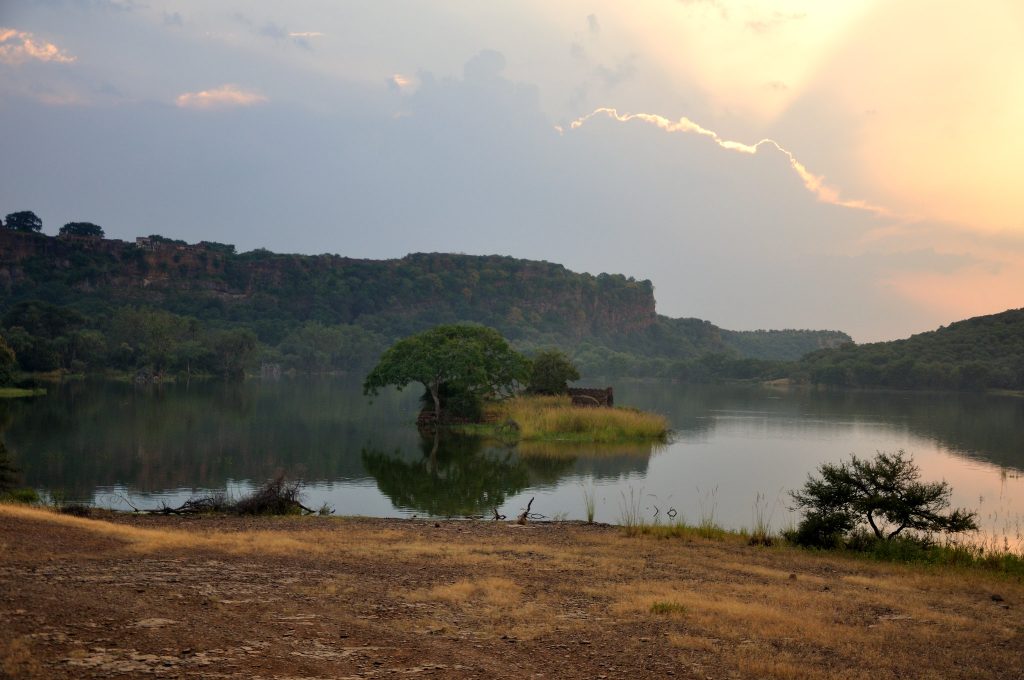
472	359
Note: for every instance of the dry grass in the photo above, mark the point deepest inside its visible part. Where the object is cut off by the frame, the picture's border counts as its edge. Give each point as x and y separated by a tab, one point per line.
151	540
729	608
555	418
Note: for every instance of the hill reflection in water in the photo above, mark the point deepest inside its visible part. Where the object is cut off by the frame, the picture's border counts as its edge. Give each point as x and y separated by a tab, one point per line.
161	443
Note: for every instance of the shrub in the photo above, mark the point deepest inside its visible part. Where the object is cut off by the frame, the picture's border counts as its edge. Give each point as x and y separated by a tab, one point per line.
8	472
277	497
550	372
884	493
27	496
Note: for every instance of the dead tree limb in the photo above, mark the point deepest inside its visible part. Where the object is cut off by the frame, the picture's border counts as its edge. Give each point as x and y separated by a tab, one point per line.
526	513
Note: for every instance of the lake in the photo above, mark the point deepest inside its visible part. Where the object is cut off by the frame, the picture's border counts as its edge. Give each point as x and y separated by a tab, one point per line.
734	447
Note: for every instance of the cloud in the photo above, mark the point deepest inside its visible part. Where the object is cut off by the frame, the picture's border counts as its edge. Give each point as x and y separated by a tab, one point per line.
485	66
770	23
278	32
173	19
813	183
623	71
399	82
17	47
272	30
221	97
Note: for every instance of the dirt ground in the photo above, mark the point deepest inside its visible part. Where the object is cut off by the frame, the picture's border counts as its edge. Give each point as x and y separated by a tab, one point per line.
310	598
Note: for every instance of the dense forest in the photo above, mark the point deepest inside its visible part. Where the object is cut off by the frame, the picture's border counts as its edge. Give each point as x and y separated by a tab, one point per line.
83	303
983	352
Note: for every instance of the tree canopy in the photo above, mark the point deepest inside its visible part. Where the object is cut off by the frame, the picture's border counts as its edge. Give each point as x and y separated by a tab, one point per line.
82	229
24	221
885	493
472	359
8	363
550	372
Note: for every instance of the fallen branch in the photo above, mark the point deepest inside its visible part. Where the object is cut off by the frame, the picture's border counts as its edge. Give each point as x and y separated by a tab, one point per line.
526	513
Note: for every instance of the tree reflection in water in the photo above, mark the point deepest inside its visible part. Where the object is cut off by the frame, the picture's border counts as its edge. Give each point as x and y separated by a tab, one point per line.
456	476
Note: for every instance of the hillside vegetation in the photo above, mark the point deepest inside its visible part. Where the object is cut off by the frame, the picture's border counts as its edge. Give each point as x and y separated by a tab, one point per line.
86	303
978	353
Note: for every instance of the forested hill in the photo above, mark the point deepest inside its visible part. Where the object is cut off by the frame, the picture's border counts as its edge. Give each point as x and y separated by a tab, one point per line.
978	353
327	312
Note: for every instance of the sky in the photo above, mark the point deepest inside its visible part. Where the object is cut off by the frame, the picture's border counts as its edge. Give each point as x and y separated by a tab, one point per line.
849	165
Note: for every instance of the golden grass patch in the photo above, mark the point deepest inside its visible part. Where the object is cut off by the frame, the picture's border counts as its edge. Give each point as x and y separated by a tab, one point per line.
555	418
492	590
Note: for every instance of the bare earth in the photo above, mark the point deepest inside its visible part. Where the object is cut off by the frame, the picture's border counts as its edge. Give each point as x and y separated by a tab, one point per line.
210	597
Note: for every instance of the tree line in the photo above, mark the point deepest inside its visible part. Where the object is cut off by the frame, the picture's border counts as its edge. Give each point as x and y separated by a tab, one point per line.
27	222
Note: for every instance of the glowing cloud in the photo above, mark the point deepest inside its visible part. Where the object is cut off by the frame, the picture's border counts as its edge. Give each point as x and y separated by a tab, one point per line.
399	82
17	47
305	34
224	96
813	183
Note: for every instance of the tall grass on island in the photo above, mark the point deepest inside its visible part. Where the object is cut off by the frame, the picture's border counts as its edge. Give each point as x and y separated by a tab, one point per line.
554	418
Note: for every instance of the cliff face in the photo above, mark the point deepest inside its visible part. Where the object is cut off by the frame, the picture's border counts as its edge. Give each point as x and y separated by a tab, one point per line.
391	296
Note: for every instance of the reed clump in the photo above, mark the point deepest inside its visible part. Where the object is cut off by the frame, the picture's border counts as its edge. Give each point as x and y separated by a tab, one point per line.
554	418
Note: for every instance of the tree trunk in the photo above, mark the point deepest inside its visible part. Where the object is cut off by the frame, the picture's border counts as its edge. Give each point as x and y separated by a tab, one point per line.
871	521
434	392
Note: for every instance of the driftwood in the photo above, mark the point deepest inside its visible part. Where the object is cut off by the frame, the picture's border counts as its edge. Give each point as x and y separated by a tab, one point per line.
526	513
277	497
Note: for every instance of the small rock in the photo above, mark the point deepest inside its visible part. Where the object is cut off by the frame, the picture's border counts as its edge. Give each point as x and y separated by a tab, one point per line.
154	623
792	577
996	597
437	525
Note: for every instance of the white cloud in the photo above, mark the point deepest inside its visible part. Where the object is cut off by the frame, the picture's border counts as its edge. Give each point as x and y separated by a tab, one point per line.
17	47
218	98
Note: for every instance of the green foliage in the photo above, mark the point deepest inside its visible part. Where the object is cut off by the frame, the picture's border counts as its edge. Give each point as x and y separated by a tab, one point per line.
27	495
457	403
8	363
472	359
24	221
786	345
9	474
333	314
453	477
885	493
980	353
232	350
550	372
317	348
82	229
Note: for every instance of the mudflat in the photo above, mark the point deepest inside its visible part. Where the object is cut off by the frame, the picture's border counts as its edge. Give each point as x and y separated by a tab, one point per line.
311	597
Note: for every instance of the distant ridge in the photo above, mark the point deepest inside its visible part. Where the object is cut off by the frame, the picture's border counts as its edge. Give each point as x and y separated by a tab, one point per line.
608	322
984	352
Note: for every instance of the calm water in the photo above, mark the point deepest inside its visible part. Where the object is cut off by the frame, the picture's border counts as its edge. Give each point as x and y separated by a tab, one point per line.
101	442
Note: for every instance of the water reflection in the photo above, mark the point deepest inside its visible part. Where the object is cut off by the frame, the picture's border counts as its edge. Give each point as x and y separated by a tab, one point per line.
162	442
985	427
451	476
